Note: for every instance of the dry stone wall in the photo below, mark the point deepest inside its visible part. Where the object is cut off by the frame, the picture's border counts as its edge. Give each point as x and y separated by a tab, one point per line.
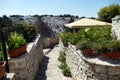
91	68
27	64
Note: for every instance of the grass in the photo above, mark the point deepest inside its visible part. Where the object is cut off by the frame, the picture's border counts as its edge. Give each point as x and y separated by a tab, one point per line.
63	66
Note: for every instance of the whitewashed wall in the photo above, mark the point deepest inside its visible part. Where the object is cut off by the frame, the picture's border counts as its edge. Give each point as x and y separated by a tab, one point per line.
116	27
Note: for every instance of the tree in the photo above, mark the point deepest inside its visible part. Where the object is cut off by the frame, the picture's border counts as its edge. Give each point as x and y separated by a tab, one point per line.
107	13
7	22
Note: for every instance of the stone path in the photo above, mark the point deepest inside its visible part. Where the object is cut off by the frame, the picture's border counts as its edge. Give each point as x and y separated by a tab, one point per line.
49	69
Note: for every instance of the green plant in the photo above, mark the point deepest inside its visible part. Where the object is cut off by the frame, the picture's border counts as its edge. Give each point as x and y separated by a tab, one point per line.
65	69
65	38
83	44
108	12
29	32
74	38
61	57
15	41
63	65
66	72
1	54
111	46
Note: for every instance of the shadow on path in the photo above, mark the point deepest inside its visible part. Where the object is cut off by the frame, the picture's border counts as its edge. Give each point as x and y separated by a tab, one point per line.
48	51
41	75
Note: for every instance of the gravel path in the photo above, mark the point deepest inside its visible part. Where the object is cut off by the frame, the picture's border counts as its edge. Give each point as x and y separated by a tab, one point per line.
49	69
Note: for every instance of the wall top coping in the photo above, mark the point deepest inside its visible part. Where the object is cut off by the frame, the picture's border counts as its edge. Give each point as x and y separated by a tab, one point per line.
96	60
30	45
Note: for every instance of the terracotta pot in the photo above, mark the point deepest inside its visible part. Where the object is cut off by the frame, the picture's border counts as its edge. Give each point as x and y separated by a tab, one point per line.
88	52
17	52
111	55
105	56
2	70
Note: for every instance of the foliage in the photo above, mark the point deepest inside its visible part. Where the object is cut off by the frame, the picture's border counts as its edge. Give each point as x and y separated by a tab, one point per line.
15	41
6	22
83	44
65	38
63	65
66	71
107	13
97	34
62	58
17	16
110	46
96	38
29	32
1	54
74	38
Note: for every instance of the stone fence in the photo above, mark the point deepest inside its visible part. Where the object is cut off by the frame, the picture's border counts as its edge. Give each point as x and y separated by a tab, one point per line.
91	68
27	64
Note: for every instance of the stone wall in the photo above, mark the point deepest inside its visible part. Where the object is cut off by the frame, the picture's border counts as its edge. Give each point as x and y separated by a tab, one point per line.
50	42
116	27
91	68
27	64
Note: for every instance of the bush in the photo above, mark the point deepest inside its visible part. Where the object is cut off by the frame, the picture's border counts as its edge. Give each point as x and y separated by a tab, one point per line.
63	65
110	46
29	32
66	72
74	38
62	58
15	41
96	38
65	38
83	44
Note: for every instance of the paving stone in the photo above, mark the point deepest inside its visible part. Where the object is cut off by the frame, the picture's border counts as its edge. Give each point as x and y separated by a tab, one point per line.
49	69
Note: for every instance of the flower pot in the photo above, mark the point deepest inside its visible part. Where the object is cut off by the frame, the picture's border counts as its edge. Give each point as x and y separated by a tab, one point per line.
88	52
111	55
2	70
17	52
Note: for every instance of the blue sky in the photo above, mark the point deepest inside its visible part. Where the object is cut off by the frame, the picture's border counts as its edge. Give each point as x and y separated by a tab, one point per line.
88	8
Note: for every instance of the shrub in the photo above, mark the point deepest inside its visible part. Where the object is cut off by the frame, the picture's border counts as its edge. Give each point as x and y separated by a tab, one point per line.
63	65
1	56
66	72
15	41
62	58
83	44
29	32
65	38
74	38
111	46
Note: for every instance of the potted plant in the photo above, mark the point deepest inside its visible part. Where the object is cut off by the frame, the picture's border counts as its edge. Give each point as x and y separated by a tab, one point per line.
110	49
84	45
2	69
16	44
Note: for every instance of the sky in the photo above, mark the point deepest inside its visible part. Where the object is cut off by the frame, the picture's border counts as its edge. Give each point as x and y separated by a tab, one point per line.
88	8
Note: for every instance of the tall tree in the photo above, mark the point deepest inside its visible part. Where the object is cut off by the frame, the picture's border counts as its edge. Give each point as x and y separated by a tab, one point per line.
107	13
